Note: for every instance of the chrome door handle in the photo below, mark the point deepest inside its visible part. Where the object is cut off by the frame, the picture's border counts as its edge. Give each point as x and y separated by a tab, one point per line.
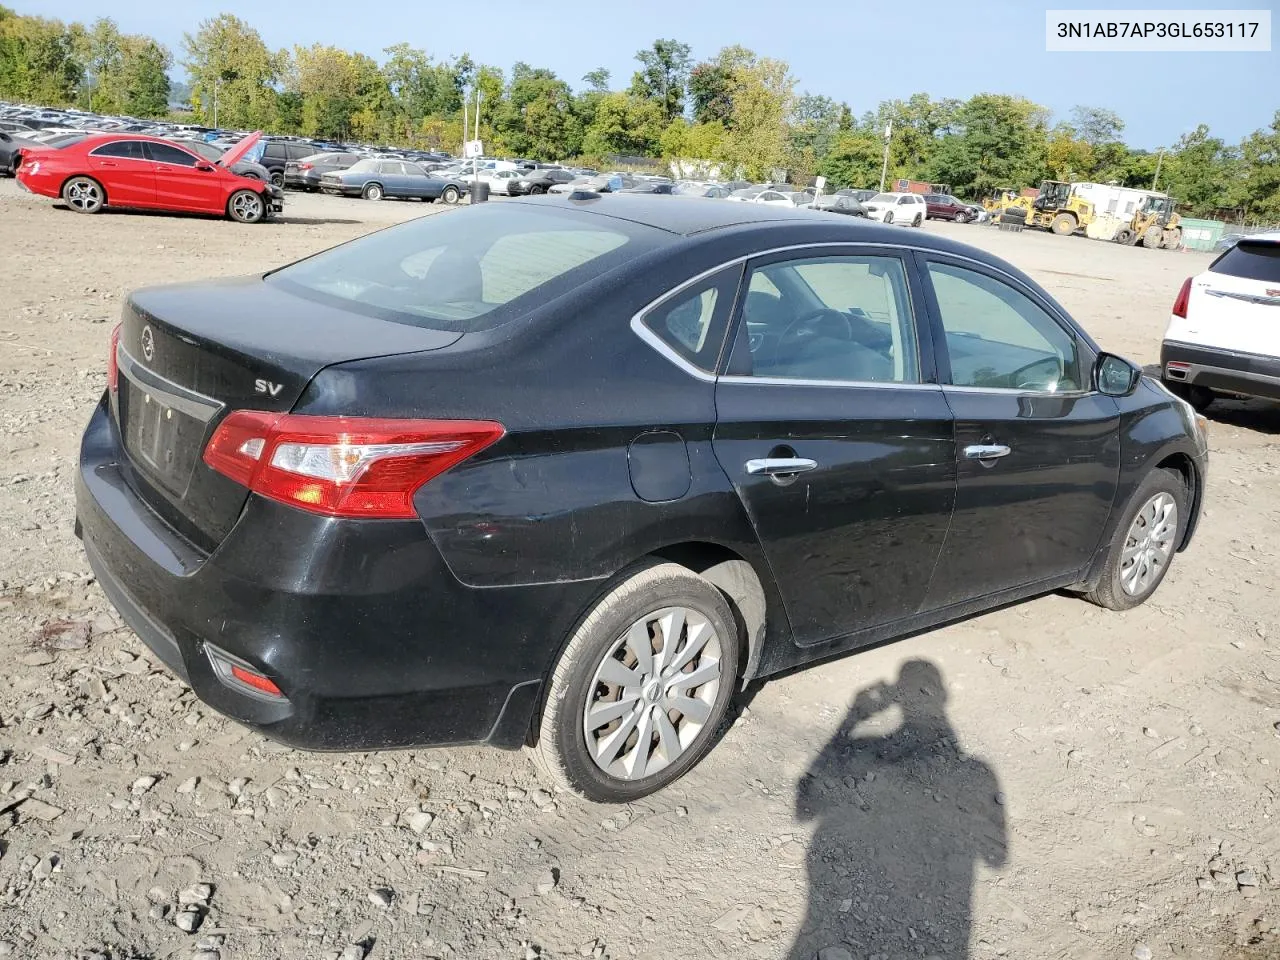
987	451
779	466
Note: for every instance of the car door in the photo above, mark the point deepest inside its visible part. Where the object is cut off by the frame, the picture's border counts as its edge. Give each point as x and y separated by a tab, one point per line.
125	172
836	438
394	180
180	186
415	180
1038	448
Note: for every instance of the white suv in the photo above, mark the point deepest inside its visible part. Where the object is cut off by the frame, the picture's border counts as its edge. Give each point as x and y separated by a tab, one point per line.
906	208
1224	335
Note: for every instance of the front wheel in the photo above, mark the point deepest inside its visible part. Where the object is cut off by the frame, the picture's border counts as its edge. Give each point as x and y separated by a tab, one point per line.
888	217
1145	542
1063	225
918	220
641	688
450	195
960	217
245	206
84	195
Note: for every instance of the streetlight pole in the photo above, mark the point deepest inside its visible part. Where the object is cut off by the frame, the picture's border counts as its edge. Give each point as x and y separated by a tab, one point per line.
215	103
884	169
1159	161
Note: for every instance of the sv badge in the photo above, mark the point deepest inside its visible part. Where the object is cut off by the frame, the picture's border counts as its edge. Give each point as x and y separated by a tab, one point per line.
267	387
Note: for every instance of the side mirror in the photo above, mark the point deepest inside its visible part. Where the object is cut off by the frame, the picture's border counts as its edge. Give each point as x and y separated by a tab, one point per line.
205	167
1115	376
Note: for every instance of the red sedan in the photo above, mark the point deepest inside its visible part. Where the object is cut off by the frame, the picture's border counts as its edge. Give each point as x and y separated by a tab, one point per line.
126	170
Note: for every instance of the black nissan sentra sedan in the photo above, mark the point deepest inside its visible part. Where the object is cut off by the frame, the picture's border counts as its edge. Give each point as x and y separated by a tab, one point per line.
567	472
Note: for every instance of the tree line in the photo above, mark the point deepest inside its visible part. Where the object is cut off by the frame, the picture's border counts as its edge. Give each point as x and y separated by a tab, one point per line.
737	112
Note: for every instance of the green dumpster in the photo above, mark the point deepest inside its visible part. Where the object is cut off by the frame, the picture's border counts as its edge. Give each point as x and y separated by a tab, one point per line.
1201	234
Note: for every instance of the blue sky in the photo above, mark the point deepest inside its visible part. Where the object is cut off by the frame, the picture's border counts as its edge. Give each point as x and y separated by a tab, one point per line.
860	53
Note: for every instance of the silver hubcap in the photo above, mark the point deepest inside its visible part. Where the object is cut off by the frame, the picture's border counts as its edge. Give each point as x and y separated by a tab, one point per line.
1149	544
653	693
246	206
84	195
375	193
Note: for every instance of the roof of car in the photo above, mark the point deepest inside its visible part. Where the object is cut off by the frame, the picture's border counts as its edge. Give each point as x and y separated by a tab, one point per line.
1271	236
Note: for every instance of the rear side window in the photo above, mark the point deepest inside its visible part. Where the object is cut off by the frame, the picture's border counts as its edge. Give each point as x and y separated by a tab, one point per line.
122	149
1250	261
691	323
163	153
472	272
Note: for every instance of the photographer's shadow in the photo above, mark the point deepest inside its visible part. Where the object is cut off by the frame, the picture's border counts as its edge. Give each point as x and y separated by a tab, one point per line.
902	819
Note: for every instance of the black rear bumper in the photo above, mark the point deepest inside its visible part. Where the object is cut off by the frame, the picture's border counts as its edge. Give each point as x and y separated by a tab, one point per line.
372	640
1227	371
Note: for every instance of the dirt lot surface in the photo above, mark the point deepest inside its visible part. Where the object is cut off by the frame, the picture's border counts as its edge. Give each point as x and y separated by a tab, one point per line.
1052	781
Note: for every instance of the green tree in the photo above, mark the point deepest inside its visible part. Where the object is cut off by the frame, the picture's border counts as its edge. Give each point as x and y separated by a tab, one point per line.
711	90
624	124
853	161
998	140
663	73
536	119
145	78
38	62
762	92
1199	172
1256	189
226	58
597	80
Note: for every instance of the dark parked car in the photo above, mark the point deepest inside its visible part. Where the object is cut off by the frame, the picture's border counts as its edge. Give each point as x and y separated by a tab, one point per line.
942	206
835	203
305	174
393	179
862	196
660	187
538	181
12	146
278	154
438	499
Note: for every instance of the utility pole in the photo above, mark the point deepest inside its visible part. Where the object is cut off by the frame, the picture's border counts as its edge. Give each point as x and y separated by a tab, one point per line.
215	103
884	169
1159	161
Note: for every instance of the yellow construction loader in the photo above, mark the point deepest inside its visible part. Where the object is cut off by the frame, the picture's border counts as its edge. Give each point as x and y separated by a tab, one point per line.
1056	207
1154	224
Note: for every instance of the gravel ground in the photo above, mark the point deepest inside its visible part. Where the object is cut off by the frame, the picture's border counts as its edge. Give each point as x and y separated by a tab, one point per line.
1047	781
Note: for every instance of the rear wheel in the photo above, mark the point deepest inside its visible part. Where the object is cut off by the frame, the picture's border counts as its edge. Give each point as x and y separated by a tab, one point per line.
245	206
84	195
1064	224
1145	542
1198	397
919	219
641	688
1172	239
372	191
450	195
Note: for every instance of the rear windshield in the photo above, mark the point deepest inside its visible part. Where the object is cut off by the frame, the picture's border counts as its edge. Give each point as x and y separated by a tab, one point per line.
471	269
1250	260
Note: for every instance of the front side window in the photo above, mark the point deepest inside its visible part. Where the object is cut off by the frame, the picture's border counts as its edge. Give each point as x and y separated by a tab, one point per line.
998	338
841	318
163	153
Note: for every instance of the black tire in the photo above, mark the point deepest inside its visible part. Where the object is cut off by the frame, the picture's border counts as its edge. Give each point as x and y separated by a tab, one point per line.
562	751
961	217
247	206
1064	225
450	195
84	195
888	217
1151	239
372	191
277	179
535	190
1198	397
918	220
1110	593
1124	235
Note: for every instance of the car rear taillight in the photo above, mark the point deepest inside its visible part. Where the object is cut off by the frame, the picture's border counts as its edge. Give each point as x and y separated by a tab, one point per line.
113	365
305	166
342	466
1184	296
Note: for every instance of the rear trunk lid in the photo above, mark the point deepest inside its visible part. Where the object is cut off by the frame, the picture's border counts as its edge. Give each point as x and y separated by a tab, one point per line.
190	354
1235	305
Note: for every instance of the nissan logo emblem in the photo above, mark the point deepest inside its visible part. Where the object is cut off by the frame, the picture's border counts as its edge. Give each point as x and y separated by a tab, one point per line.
148	344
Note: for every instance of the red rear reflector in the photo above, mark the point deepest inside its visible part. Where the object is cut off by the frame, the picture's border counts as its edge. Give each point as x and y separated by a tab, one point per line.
1178	365
305	166
342	466
1184	296
113	365
255	680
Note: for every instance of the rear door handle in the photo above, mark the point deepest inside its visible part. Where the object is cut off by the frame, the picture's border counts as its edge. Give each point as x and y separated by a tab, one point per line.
106	163
779	466
987	451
